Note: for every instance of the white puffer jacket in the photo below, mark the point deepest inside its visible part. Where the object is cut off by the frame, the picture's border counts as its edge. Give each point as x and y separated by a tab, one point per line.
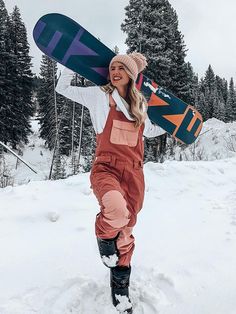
97	102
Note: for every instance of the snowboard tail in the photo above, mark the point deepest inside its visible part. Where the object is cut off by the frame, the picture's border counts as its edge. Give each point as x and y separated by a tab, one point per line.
68	43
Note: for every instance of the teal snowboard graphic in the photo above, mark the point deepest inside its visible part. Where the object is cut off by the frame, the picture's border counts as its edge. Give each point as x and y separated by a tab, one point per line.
68	43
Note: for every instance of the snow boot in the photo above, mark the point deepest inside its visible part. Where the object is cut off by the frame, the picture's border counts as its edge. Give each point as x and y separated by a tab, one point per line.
108	251
120	289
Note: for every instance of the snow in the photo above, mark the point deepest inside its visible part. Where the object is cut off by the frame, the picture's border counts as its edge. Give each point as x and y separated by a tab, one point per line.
185	255
111	260
124	303
216	141
36	155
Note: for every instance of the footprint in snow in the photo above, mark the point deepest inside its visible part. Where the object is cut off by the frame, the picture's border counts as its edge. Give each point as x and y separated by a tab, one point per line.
81	296
149	292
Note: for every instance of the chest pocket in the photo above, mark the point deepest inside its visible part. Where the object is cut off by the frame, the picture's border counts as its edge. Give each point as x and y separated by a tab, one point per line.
124	133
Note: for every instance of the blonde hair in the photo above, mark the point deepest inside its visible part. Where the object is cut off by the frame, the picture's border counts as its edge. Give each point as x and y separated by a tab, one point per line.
134	98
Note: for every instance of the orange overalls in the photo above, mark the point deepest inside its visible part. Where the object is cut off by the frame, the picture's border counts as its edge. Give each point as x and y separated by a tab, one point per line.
117	180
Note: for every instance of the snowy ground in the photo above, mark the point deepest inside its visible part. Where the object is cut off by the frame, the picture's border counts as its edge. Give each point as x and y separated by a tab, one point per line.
185	256
216	141
35	154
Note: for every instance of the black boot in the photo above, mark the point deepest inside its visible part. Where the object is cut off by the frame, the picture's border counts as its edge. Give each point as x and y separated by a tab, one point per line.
108	251
120	289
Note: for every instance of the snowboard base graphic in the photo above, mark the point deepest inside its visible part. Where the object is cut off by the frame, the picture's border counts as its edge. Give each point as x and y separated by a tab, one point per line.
68	43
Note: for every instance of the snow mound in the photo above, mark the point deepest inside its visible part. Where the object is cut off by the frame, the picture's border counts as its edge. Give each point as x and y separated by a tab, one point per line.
217	140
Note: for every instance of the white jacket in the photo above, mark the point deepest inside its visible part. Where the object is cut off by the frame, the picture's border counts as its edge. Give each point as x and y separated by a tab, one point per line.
97	102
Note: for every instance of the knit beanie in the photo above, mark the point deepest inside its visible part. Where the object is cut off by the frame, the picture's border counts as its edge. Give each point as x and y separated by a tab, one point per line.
135	62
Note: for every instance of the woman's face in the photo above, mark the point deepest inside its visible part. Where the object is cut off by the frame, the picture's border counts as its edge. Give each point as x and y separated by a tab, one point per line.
118	75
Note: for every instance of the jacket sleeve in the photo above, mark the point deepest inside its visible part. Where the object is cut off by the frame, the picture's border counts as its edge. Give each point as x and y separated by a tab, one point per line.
152	130
85	96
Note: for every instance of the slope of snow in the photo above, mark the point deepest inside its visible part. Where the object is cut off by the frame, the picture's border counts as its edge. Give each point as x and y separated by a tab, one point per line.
217	140
185	254
35	154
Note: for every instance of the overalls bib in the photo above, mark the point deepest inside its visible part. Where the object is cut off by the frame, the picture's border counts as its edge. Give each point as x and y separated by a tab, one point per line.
117	180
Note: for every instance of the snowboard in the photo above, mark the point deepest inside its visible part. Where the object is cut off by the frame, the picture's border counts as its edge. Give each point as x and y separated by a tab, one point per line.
67	42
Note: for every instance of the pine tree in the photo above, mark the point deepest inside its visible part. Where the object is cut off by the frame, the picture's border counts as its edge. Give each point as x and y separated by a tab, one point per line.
146	33
193	85
209	79
65	125
21	80
149	154
15	79
48	109
234	104
219	106
231	102
200	102
222	87
219	103
5	57
58	167
152	28
208	88
215	93
70	121
60	121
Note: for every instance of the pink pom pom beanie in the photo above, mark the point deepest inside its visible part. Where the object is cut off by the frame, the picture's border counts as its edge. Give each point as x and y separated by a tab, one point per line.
135	63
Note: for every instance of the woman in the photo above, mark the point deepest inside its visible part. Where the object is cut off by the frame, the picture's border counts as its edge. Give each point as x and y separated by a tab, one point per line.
118	114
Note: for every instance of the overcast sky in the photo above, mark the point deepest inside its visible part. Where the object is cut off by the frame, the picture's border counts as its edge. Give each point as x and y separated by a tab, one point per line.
208	26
